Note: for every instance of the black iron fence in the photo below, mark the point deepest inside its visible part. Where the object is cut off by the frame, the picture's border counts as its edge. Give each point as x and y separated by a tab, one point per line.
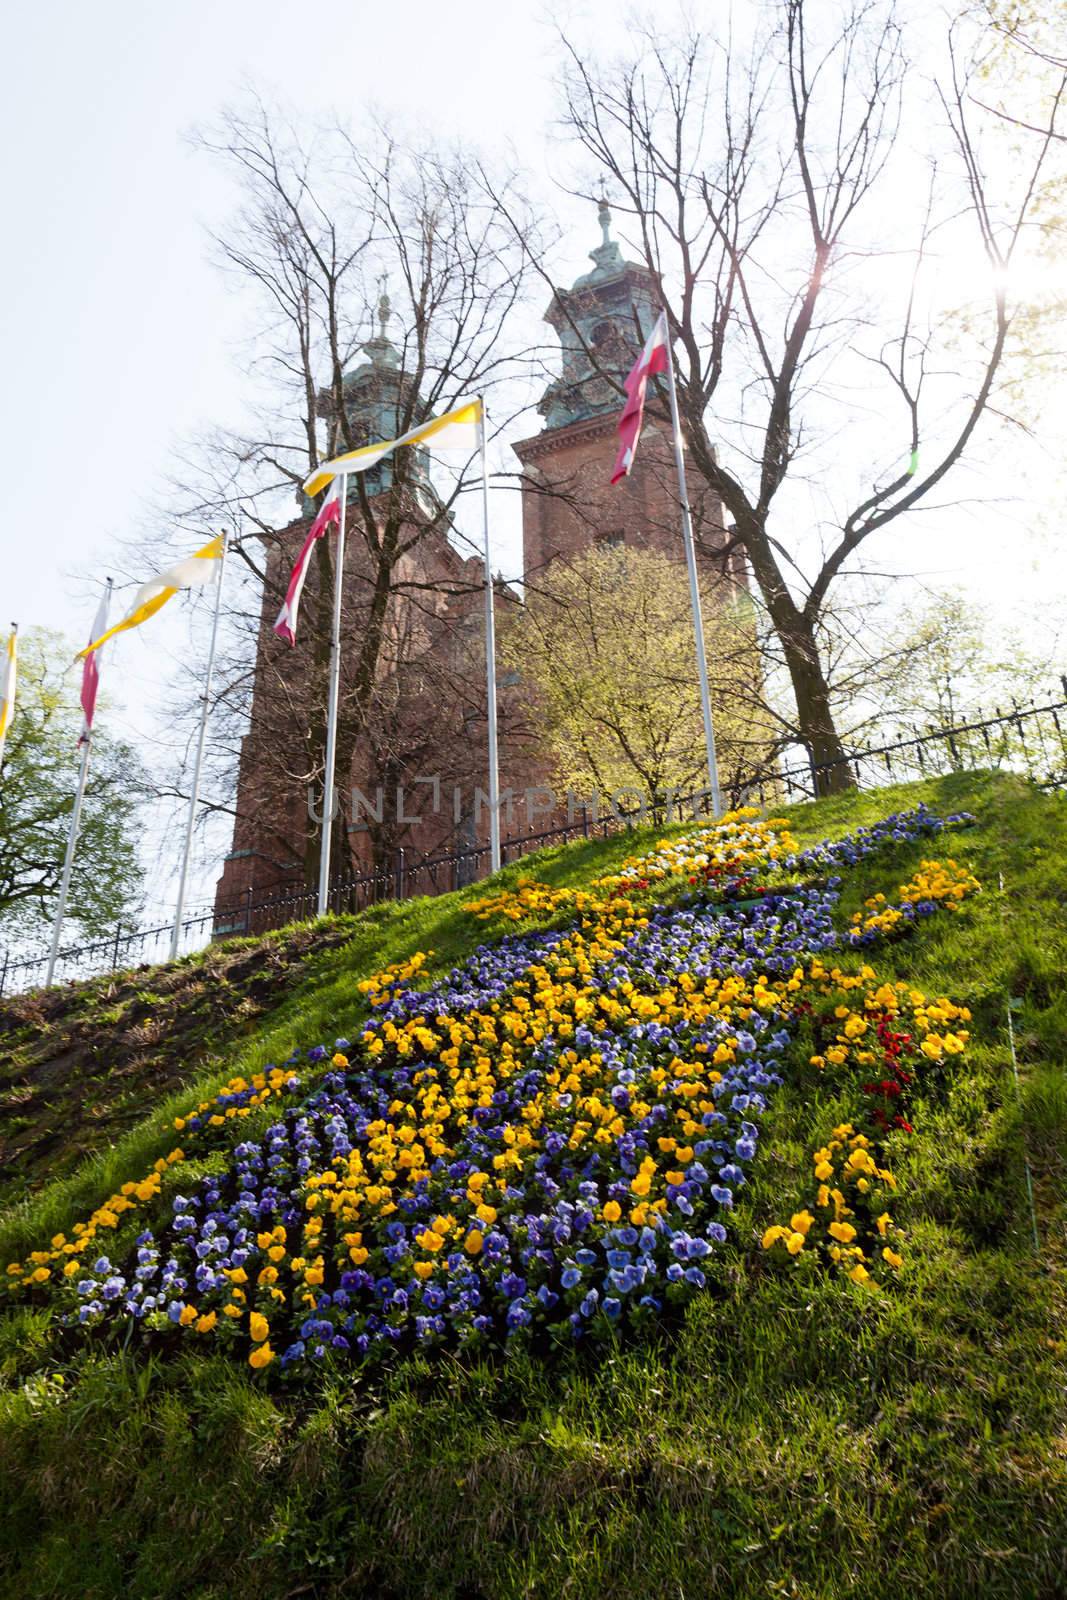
1030	740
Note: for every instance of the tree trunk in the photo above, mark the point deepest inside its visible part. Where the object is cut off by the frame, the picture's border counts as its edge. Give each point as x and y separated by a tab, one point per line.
831	772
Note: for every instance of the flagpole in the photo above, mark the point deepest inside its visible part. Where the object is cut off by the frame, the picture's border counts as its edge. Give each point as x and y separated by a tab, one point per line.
490	664
11	708
694	591
72	840
331	714
194	793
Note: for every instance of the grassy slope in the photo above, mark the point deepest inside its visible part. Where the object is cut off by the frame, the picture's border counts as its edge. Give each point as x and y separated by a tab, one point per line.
81	1064
795	1437
321	1006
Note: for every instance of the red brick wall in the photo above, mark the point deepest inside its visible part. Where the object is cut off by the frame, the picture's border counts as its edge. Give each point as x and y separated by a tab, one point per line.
569	502
272	826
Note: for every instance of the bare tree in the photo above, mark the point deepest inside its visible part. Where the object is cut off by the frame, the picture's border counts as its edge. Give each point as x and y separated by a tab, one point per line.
761	187
383	275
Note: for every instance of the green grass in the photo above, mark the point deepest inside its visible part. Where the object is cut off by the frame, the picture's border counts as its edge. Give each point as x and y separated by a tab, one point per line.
81	1064
794	1436
325	1005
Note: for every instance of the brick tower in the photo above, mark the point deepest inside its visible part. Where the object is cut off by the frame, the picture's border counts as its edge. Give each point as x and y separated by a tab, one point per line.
568	502
429	680
568	505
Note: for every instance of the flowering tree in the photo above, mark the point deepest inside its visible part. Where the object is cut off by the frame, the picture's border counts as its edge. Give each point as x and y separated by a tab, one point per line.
604	647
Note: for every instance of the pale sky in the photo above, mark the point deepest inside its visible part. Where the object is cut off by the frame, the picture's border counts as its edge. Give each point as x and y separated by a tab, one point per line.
118	333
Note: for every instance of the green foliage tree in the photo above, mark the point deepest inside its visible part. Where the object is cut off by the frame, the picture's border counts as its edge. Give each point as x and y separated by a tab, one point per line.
38	779
953	663
958	663
606	653
1025	64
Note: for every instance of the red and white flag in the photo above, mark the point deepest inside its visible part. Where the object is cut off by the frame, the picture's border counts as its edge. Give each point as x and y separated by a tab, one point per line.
653	359
285	627
91	666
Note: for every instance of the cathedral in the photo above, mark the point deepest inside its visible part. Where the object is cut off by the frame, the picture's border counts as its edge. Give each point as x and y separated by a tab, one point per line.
432	722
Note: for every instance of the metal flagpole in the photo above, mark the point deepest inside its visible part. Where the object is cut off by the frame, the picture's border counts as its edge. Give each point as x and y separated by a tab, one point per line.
490	665
331	714
194	794
72	840
694	592
10	709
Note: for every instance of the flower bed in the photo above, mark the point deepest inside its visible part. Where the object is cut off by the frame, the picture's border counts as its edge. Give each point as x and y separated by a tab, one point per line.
549	1140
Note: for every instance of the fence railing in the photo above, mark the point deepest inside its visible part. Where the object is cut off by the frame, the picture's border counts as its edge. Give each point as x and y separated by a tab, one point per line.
1030	740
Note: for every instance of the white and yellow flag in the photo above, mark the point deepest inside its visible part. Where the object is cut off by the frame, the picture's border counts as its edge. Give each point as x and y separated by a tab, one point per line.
455	430
7	685
192	573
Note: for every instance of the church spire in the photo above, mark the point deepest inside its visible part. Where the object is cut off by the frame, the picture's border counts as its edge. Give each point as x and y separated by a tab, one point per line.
380	349
377	394
607	257
601	322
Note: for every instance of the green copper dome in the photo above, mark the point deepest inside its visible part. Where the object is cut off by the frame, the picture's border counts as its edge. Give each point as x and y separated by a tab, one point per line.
602	321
